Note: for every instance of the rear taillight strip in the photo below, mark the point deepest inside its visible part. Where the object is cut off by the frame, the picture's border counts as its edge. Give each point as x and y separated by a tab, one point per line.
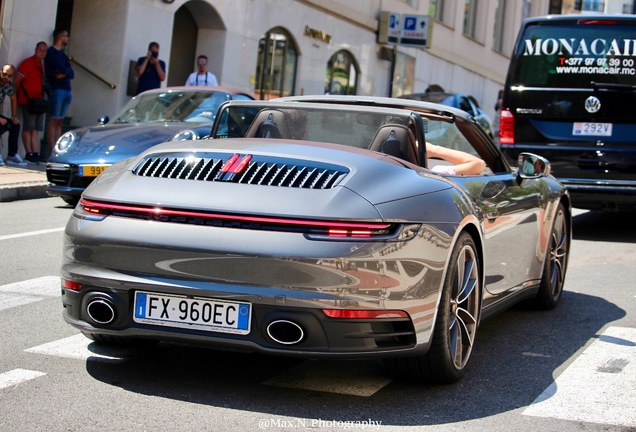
316	227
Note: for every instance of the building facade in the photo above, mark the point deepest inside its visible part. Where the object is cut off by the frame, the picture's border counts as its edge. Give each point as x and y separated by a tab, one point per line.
272	47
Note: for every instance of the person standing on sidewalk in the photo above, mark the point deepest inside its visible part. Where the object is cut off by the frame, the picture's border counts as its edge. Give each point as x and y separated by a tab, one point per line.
59	74
202	77
29	83
11	125
150	70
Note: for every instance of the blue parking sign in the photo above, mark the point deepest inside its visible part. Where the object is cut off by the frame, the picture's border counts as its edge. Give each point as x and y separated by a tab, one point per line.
410	23
415	30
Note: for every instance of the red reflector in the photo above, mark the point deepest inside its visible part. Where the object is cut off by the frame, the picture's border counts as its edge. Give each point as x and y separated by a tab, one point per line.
506	127
74	286
364	314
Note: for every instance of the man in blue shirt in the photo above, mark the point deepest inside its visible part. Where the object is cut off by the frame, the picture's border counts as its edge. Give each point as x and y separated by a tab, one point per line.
150	70
59	74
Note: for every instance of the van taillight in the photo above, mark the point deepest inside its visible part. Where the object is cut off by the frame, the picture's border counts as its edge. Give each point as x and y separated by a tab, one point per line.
506	127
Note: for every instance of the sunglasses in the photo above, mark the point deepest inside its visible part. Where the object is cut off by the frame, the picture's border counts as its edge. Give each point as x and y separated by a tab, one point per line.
202	63
7	74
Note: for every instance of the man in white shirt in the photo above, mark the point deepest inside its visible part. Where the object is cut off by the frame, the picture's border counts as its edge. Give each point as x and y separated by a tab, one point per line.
202	77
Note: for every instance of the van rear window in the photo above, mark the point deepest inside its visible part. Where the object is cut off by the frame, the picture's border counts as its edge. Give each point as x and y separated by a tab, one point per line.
573	56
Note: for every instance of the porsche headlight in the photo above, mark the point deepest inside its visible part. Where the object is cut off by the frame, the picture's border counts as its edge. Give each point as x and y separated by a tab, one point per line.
65	142
185	135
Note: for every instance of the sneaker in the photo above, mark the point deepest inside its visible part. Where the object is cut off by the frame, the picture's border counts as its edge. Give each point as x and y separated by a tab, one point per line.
16	160
32	158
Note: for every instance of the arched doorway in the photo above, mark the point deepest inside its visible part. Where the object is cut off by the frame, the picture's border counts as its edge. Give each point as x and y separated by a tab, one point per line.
197	29
342	74
276	65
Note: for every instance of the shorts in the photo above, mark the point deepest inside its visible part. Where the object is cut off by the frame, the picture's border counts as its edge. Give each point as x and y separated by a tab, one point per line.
59	101
31	122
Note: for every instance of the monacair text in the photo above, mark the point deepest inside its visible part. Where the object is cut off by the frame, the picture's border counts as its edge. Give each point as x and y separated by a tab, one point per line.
580	47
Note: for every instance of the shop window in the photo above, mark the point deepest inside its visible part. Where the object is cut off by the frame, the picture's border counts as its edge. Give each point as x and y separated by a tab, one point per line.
403	75
276	65
342	74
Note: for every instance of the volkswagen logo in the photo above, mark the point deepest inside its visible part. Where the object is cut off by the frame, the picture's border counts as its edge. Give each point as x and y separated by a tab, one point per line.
592	104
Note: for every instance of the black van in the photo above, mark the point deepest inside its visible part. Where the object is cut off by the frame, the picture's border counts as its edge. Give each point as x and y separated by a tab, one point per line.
570	96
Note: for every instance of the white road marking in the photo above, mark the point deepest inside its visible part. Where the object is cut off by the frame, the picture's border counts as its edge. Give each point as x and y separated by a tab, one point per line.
18	376
598	387
80	347
29	291
30	233
356	378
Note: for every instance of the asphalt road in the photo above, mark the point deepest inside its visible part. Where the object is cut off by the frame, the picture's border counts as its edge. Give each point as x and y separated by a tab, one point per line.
570	369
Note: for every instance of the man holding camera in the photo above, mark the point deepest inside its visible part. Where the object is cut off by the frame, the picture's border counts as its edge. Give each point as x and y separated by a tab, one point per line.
150	70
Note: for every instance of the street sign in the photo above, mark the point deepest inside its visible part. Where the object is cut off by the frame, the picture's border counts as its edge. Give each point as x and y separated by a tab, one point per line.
389	31
415	30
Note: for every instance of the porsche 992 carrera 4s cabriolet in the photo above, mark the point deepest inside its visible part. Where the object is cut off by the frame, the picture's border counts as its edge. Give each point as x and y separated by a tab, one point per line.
317	227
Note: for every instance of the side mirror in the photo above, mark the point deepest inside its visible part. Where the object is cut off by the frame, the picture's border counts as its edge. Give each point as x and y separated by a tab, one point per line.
533	166
103	120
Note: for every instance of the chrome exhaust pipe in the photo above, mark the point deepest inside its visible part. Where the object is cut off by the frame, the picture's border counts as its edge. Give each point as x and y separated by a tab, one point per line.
285	332
101	311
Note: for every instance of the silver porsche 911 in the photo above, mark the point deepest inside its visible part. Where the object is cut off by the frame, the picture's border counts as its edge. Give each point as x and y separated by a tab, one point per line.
317	227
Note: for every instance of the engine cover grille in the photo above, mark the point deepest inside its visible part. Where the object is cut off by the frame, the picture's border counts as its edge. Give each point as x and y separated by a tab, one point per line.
246	169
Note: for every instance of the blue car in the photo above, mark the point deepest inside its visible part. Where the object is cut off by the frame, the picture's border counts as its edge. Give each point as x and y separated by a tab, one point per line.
150	118
457	100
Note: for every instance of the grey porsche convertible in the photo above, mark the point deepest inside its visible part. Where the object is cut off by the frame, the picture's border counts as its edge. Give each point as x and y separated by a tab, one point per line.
317	227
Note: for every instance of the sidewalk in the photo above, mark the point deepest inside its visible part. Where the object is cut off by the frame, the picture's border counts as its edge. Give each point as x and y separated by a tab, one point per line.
27	182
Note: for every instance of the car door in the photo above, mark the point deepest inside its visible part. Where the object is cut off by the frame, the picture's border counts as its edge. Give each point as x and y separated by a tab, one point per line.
511	228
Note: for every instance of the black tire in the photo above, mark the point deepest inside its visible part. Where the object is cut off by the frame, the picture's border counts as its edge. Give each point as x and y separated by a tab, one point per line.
455	326
118	340
556	262
72	201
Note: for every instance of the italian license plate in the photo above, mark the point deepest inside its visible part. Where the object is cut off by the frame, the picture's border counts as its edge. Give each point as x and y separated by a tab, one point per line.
592	129
91	170
192	313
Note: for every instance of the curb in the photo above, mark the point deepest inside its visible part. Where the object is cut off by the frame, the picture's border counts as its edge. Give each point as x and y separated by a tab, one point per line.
23	191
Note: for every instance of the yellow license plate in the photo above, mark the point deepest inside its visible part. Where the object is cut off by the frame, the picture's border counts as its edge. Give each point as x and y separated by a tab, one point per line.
91	170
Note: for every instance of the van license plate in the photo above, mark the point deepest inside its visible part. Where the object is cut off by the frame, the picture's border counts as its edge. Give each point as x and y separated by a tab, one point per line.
192	313
592	129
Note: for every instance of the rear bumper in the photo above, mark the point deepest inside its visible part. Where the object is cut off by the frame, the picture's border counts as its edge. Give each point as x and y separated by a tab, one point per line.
323	337
611	184
601	195
64	191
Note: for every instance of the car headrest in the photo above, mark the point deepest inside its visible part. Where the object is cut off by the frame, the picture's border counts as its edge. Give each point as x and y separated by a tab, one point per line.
393	139
270	123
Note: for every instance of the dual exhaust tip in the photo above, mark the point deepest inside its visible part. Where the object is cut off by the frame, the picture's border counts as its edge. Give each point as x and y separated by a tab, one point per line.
101	310
284	332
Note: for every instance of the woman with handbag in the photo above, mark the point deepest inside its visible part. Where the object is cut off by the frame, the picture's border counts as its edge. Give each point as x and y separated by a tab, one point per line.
29	85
